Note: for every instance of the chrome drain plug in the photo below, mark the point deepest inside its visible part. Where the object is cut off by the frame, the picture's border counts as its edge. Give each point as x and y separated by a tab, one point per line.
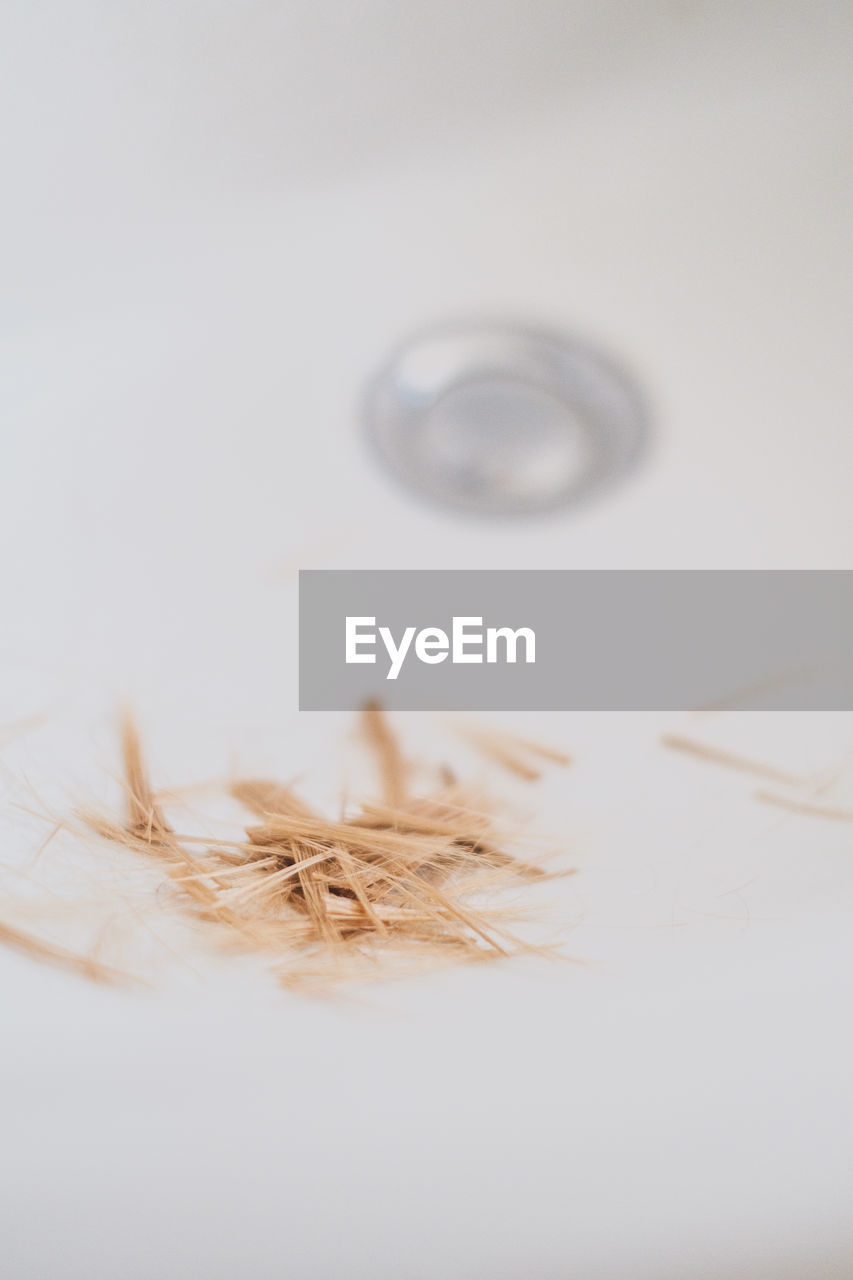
496	419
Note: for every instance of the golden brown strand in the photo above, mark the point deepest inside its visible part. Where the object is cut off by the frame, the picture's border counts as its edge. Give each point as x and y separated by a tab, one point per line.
144	816
513	753
265	797
59	957
727	759
386	749
807	808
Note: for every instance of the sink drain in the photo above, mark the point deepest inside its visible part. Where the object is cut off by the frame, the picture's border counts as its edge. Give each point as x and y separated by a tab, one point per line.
503	420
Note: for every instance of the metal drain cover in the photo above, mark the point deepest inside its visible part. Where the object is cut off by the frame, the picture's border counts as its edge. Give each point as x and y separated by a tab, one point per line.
502	420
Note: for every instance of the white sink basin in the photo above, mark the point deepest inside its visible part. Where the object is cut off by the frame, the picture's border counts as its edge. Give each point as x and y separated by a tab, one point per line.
220	218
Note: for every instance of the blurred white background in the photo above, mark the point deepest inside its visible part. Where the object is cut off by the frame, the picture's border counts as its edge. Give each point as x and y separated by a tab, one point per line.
218	218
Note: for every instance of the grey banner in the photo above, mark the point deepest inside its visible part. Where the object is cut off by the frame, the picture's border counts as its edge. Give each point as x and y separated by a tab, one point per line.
581	640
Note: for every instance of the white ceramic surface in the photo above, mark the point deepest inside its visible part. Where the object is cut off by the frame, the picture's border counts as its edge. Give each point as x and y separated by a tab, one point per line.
218	220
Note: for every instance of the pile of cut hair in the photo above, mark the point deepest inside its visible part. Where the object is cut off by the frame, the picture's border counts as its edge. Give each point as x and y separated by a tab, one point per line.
402	883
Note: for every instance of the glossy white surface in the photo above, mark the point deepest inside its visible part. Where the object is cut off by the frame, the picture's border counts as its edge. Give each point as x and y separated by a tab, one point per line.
212	239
